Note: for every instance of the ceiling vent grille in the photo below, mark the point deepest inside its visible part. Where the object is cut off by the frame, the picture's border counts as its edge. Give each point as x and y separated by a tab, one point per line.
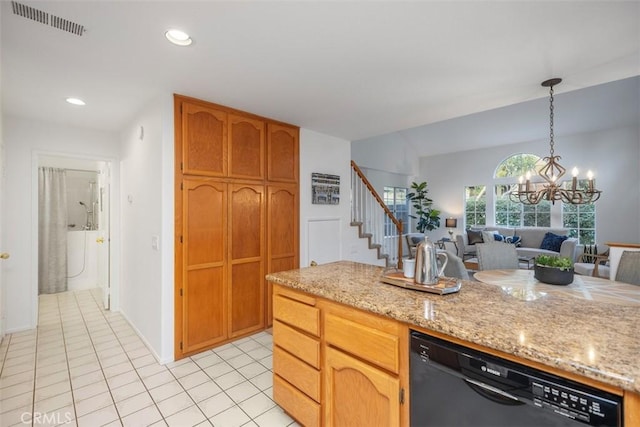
66	25
46	19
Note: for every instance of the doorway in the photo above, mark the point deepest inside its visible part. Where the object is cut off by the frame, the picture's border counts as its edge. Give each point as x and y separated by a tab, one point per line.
74	225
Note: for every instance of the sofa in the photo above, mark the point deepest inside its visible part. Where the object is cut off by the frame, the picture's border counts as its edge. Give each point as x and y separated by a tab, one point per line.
528	241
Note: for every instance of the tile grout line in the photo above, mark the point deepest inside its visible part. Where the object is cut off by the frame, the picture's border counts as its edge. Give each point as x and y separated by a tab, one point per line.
4	357
66	356
99	362
221	388
247	379
101	311
35	371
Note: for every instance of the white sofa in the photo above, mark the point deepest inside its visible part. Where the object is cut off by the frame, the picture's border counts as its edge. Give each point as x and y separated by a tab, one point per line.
530	241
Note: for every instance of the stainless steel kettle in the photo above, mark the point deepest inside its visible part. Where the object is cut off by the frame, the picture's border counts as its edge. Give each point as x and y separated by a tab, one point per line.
427	271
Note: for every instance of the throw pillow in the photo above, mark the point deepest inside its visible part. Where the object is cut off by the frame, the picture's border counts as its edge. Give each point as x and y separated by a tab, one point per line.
516	240
474	237
552	242
489	236
498	237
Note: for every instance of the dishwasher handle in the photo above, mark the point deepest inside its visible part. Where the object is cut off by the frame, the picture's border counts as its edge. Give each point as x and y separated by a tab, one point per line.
489	392
493	393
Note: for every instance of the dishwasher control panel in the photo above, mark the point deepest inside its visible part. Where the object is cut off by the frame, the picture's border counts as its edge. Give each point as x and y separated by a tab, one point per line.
573	403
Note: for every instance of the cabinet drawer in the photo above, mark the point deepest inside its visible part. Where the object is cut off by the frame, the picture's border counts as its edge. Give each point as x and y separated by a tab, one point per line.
296	372
304	410
302	316
368	343
300	345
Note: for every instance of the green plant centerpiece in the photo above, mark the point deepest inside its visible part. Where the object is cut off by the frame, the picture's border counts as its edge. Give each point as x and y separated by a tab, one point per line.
428	217
553	270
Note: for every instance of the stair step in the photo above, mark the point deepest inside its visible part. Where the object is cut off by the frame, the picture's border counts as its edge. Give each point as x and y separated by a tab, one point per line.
374	246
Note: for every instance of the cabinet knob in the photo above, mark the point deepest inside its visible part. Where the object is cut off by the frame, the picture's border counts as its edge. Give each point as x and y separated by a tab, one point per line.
100	240
4	255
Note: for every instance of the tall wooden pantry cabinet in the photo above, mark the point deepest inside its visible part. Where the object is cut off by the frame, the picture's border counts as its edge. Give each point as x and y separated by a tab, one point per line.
236	219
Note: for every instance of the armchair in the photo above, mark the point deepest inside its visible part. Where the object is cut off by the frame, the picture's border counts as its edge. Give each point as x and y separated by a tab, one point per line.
413	239
593	265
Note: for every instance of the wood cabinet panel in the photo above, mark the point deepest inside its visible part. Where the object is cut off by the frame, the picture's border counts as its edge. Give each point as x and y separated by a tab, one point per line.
246	283
204	307
204	140
631	409
203	278
296	372
377	393
300	345
296	314
282	153
301	407
247	217
246	147
283	223
369	343
296	295
204	204
246	298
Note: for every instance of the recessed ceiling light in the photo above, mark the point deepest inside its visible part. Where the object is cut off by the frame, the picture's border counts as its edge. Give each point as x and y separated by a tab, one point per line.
75	101
178	37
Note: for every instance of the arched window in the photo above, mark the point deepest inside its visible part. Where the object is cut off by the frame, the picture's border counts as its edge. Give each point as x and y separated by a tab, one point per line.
518	165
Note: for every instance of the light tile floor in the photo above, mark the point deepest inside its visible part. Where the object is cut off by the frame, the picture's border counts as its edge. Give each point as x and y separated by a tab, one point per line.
86	366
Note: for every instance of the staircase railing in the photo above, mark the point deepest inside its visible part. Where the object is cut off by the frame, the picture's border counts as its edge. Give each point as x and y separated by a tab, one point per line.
376	221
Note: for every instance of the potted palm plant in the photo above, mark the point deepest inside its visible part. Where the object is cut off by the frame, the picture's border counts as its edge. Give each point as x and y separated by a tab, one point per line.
553	270
428	218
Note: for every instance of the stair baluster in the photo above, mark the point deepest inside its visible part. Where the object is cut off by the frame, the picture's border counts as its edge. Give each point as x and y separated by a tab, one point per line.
369	213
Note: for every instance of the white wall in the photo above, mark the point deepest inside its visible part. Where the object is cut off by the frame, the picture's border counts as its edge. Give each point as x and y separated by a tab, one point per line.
147	215
25	140
611	154
388	153
327	154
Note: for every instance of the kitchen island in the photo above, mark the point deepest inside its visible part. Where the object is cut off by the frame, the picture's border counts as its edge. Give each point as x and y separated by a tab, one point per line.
589	342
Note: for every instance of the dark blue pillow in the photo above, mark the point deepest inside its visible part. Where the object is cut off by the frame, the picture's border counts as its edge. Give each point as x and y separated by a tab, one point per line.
498	237
552	242
513	239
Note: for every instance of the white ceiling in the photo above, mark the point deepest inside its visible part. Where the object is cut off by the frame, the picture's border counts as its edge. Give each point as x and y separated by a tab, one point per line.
349	69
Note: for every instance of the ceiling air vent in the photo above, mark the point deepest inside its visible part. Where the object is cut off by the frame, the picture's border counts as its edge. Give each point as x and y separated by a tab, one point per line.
46	19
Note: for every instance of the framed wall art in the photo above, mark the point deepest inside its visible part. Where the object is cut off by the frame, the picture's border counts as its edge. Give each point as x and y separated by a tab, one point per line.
325	189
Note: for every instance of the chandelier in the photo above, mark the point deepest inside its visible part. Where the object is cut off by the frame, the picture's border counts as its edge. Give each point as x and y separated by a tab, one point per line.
530	193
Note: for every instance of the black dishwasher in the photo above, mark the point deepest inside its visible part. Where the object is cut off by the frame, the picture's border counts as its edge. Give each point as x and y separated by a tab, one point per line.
455	386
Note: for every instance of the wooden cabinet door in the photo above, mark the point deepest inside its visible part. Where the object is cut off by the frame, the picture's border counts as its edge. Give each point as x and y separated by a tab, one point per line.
283	233
246	249
204	269
282	153
357	394
246	147
204	140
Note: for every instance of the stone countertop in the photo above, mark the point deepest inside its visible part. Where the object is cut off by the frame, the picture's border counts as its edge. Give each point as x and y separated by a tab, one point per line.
594	339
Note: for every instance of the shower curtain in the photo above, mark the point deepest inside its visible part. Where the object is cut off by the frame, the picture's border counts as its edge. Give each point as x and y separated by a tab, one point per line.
52	230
